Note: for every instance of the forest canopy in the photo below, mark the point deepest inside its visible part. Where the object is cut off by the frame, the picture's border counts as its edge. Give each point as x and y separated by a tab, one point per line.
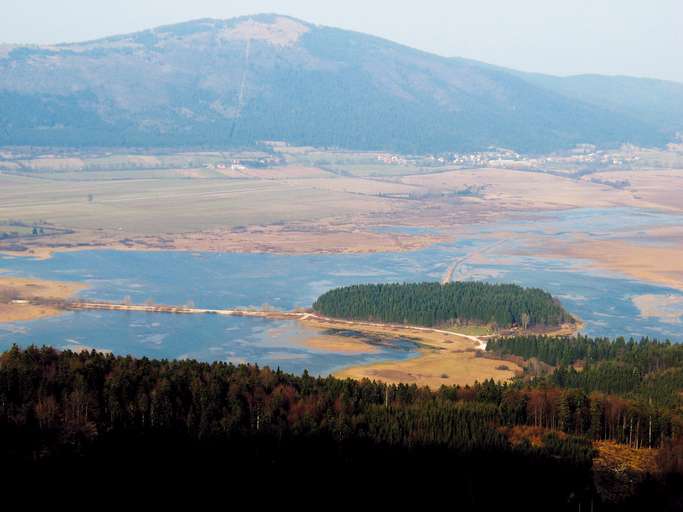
647	370
432	304
69	414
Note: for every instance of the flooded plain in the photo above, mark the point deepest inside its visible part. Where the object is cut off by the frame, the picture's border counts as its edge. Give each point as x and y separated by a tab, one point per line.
605	302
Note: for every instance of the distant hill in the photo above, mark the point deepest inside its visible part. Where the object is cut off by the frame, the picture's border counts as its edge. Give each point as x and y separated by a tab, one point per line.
269	77
657	102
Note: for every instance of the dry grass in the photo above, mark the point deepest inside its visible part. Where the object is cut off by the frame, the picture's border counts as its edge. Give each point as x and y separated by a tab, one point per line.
292	238
339	344
37	288
527	190
661	187
443	359
172	205
27	289
287	172
24	312
431	339
434	368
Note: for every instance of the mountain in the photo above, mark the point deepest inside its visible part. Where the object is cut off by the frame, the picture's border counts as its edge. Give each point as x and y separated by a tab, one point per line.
225	83
657	102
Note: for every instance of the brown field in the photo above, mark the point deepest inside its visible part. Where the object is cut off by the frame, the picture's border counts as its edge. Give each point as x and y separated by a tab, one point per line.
26	289
663	187
173	205
521	190
280	211
362	186
434	368
201	215
20	313
287	172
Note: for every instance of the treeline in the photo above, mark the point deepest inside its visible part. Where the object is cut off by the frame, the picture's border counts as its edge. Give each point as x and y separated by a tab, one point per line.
434	304
71	414
647	370
647	354
86	394
595	415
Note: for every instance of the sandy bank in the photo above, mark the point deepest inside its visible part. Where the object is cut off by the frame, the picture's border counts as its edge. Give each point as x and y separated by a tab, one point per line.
340	344
15	288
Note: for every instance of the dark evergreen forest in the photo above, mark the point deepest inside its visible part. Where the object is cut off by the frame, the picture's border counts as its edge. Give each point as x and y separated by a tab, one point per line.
646	370
87	414
434	304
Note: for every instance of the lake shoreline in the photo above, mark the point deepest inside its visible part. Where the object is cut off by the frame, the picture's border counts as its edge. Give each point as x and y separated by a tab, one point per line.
28	299
443	357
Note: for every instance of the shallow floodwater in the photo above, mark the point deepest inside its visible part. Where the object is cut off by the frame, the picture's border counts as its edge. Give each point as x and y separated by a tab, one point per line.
602	301
273	343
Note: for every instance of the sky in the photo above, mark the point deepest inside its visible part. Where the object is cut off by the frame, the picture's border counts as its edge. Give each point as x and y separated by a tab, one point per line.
562	37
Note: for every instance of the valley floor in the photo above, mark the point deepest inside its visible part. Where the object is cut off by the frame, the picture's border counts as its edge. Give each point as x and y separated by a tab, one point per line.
352	205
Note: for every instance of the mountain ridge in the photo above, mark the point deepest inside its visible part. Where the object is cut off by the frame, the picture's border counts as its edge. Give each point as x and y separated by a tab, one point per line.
235	82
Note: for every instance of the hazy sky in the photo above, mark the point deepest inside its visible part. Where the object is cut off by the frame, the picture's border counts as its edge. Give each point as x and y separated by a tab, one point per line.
632	37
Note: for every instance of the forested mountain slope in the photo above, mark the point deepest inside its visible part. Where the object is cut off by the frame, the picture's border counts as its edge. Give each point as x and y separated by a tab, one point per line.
268	77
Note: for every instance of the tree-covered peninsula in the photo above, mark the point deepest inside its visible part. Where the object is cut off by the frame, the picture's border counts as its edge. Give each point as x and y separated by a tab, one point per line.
434	304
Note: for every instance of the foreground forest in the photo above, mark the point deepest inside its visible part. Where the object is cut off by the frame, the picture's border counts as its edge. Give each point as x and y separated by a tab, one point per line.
433	304
94	414
647	371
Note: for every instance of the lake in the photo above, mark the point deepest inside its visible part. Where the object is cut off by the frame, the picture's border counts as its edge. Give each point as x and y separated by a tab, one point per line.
212	280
